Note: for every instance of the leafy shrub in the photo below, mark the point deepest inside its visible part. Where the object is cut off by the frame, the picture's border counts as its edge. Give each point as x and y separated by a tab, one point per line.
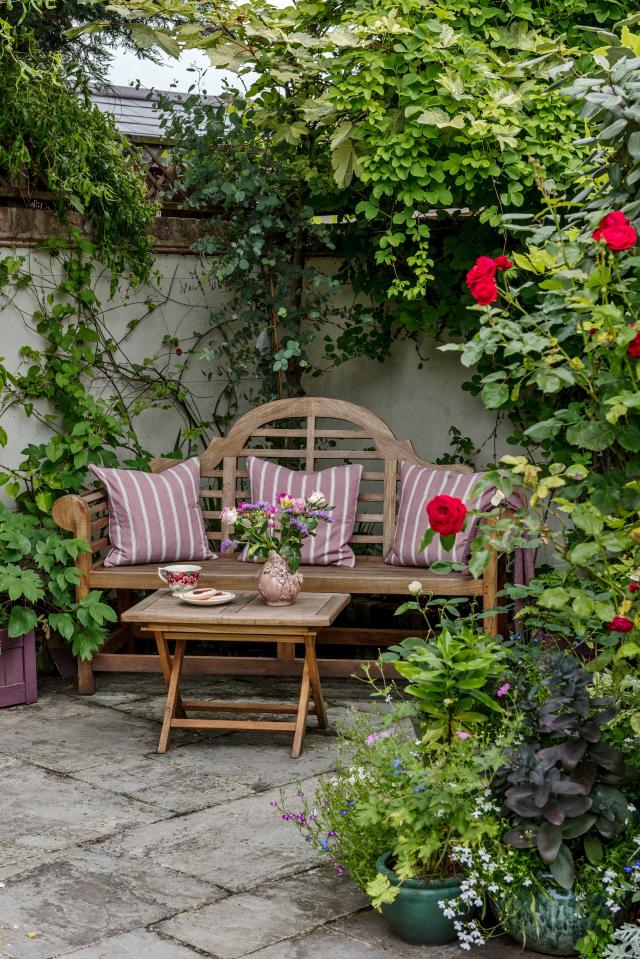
37	584
560	784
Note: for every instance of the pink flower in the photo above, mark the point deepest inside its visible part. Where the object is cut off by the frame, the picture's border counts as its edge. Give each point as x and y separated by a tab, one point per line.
383	734
504	689
462	735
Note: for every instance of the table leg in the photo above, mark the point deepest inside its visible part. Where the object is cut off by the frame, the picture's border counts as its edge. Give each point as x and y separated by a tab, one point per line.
165	662
314	680
303	709
173	695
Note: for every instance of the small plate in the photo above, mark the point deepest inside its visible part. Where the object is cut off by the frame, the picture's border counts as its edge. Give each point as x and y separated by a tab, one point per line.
222	597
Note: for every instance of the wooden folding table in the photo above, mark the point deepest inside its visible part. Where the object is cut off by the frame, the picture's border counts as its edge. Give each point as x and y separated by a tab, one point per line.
246	620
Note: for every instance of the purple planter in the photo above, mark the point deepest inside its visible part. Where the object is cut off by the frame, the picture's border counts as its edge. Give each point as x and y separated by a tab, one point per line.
18	676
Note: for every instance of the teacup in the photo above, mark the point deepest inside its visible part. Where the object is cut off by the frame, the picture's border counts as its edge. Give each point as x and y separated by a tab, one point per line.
180	577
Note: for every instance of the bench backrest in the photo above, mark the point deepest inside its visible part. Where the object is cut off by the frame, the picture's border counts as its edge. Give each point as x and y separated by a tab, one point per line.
308	433
311	433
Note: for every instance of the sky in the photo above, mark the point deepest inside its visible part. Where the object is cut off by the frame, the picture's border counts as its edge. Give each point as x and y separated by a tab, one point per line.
126	68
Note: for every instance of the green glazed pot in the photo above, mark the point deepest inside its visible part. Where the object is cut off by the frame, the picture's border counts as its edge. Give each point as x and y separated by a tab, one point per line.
415	915
554	925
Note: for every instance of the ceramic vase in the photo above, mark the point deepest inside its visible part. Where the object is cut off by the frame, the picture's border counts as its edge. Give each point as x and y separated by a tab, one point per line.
553	926
277	585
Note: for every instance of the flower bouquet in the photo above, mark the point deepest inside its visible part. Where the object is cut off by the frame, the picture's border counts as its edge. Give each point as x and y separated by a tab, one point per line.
273	534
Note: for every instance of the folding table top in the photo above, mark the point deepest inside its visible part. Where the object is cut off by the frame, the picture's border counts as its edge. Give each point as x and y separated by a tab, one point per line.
314	610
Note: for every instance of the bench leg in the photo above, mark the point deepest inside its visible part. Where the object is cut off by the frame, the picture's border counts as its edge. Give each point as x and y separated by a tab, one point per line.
489	599
86	677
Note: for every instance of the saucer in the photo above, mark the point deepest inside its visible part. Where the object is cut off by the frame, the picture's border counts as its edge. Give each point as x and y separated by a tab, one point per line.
221	597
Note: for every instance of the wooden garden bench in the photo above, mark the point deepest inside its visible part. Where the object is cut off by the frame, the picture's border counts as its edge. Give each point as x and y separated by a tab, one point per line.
307	433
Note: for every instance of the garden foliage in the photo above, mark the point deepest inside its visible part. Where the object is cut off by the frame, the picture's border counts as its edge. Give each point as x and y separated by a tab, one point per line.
558	351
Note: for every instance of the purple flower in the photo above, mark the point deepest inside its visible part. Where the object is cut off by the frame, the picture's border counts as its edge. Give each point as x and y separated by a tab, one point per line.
227	544
504	689
320	514
462	735
299	525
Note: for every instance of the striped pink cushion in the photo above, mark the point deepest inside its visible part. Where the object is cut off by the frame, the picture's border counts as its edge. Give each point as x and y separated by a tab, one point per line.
418	485
340	485
154	517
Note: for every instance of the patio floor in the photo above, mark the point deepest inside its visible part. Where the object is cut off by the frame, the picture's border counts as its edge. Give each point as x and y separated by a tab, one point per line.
110	851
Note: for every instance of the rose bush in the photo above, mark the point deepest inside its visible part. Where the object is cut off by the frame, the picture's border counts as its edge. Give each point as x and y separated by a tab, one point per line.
559	349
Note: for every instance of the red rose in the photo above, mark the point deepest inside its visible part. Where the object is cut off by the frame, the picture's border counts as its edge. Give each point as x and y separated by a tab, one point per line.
616	231
633	349
620	624
484	291
503	263
634	587
483	270
178	351
446	514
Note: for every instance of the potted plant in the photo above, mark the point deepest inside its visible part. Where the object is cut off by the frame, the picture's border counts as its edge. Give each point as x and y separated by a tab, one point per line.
273	534
37	577
393	818
566	865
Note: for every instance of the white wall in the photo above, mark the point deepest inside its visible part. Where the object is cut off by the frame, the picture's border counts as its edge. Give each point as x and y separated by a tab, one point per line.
418	404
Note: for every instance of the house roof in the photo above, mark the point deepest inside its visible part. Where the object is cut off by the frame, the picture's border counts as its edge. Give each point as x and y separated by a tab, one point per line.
135	110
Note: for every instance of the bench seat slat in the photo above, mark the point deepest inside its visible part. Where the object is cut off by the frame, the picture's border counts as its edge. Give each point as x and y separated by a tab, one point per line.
370	575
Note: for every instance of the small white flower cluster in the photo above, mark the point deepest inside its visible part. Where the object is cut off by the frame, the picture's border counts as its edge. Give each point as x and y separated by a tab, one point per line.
469	934
358	774
616	886
611	890
484	804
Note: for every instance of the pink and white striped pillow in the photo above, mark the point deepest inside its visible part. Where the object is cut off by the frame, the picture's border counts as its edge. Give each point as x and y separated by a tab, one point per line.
339	484
154	517
418	485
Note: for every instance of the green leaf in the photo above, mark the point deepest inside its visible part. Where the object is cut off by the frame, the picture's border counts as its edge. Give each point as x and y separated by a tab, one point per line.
344	161
555	598
562	868
591	436
495	395
593	849
21	620
426	539
583	553
633	145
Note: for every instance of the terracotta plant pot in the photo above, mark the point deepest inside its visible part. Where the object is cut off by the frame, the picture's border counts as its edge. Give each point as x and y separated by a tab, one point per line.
415	915
277	585
18	676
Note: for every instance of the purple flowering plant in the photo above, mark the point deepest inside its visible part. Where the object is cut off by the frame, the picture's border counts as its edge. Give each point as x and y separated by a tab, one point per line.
281	527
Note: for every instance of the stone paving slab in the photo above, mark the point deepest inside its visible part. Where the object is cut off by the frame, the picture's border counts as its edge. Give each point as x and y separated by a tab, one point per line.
369	927
173	782
44	811
134	945
196	862
325	944
257	760
66	735
274	911
85	896
237	845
